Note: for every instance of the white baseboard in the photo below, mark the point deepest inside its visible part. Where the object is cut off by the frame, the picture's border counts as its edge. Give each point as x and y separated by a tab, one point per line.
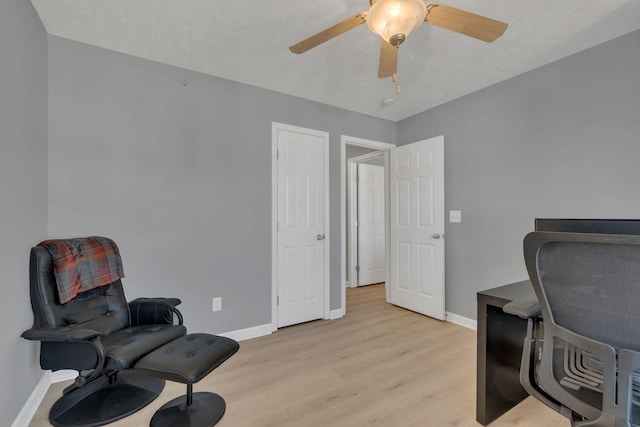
336	314
456	319
248	333
64	375
31	406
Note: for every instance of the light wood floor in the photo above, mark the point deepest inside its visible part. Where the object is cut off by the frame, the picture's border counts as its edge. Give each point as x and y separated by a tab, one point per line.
379	365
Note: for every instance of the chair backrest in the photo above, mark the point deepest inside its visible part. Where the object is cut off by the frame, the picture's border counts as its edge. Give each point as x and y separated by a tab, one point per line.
588	286
102	309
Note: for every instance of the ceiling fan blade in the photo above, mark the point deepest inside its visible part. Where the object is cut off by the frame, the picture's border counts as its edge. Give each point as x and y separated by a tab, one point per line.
329	33
388	60
463	22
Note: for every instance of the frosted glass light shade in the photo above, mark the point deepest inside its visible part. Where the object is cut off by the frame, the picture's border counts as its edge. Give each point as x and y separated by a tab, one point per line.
390	17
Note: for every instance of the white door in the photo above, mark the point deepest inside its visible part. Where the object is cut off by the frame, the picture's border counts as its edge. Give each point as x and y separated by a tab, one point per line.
372	266
300	224
417	227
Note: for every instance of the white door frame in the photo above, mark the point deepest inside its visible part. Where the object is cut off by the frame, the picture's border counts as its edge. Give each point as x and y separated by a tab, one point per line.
275	127
360	142
352	201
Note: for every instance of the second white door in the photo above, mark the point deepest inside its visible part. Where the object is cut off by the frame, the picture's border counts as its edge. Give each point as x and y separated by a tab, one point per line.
372	266
417	227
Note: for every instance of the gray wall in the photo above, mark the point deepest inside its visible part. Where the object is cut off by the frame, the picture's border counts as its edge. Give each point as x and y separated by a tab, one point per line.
23	191
180	178
559	141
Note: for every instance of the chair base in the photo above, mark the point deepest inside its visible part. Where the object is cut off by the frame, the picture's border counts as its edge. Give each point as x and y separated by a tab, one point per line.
205	410
103	401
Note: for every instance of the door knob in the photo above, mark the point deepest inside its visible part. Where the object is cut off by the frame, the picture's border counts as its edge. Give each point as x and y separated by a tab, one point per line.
320	236
436	236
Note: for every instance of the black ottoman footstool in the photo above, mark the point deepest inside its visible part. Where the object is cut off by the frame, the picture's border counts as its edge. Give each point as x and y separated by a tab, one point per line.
187	360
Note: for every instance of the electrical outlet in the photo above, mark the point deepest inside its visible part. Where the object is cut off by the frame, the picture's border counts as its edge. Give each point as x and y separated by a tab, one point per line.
216	304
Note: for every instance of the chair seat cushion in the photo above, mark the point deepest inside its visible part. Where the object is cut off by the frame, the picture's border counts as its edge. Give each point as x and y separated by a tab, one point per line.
125	347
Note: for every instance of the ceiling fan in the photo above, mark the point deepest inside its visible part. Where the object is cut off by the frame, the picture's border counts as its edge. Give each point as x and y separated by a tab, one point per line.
393	20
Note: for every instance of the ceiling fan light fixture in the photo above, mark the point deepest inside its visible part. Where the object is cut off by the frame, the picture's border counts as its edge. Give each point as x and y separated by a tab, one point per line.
393	20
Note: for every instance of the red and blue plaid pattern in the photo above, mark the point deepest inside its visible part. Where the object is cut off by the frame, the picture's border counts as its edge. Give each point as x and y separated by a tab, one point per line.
83	263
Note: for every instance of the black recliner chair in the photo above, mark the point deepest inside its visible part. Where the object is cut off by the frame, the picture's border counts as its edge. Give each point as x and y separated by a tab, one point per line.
102	337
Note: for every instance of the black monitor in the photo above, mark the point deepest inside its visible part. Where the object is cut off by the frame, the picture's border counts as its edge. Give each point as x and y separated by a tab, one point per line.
602	226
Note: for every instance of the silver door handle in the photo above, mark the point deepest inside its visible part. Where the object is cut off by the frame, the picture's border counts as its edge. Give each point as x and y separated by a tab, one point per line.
320	236
436	236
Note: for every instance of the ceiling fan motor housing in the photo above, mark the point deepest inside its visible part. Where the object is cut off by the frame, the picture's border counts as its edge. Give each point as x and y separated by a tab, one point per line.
397	39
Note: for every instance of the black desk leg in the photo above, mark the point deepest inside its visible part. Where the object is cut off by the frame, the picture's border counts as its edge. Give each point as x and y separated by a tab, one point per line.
500	340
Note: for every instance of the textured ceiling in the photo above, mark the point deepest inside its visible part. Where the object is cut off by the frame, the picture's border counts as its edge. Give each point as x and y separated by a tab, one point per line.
247	41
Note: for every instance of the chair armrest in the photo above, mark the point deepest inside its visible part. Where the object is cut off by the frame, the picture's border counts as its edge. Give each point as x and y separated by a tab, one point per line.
525	307
154	311
65	334
76	339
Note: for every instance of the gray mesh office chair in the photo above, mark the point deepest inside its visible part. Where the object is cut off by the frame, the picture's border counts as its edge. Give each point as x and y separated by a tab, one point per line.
580	358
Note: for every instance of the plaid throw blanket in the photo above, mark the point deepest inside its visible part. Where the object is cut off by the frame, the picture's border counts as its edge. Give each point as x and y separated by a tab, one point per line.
83	263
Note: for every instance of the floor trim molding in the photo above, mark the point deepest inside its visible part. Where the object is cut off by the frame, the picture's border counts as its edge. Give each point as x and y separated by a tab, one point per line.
31	406
465	322
60	376
248	333
336	314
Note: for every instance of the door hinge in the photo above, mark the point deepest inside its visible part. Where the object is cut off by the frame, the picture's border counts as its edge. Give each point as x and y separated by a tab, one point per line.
278	300
277	154
357	268
357	178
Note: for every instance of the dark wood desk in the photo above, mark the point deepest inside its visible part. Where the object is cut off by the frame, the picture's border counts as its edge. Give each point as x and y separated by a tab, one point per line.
500	340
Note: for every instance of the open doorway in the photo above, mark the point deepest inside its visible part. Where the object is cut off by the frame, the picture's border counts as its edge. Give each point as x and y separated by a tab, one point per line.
366	219
360	156
414	223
